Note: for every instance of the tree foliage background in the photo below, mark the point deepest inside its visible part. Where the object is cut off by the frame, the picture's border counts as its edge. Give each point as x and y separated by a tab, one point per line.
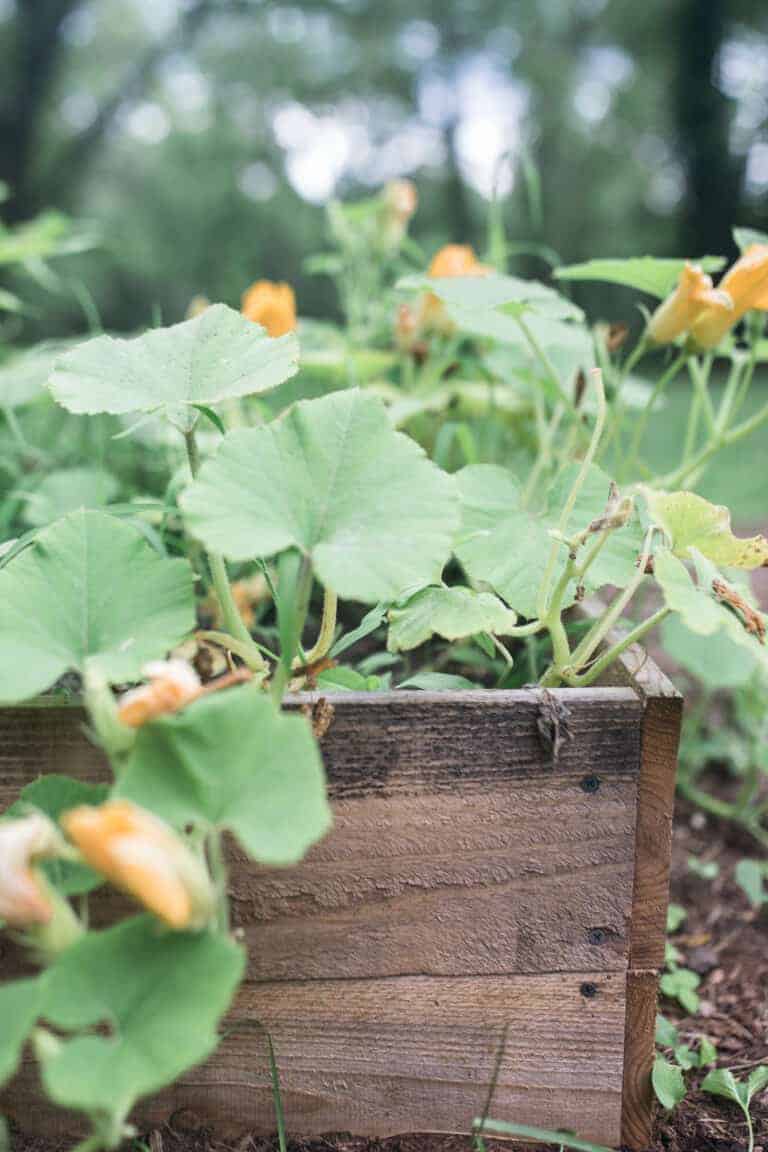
202	137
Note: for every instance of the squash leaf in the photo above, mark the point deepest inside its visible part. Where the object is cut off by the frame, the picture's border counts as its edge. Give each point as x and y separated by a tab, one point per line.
215	356
649	274
89	592
147	984
448	612
267	785
19	1008
690	521
333	479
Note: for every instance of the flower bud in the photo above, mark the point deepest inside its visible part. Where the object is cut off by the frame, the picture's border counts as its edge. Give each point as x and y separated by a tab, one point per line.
452	260
25	898
144	857
173	684
271	305
746	286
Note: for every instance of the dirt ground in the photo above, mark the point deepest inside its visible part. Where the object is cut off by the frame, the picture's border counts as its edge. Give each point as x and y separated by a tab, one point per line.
722	939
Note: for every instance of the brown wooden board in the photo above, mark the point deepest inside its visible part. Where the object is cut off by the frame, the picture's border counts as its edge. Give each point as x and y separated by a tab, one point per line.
468	883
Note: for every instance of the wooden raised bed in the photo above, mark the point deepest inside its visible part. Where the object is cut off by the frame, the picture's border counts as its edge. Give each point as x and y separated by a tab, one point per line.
469	884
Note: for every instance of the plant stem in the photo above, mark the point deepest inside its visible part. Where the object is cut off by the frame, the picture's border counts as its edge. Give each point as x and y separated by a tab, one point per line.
602	627
301	607
661	384
545	361
542	602
220	875
699	377
613	653
327	631
233	621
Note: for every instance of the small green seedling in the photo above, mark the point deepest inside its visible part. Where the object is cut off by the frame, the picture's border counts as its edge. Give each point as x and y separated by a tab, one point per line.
722	1082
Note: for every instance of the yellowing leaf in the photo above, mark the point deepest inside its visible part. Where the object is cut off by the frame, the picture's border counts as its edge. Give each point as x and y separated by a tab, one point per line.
692	522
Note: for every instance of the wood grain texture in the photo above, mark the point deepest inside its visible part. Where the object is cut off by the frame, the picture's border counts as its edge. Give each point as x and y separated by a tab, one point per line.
662	718
413	1054
467	882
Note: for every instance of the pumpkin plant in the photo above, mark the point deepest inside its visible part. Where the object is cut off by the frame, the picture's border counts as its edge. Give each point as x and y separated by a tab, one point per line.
327	497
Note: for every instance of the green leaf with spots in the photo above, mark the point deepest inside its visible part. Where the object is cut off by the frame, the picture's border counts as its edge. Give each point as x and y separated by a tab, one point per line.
162	995
334	480
88	593
448	612
690	521
232	760
215	356
698	607
656	277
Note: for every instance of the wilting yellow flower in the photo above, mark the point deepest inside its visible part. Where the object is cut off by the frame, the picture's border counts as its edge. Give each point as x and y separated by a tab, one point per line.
271	305
173	684
144	857
24	896
693	296
452	260
746	283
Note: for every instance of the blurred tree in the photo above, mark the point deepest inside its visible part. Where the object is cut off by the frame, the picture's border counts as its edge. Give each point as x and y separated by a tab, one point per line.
205	135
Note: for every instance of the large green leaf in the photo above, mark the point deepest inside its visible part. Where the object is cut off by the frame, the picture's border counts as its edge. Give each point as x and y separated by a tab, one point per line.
690	521
333	479
23	376
217	355
657	277
505	547
698	607
714	659
233	761
88	593
162	995
66	491
506	294
447	612
19	1009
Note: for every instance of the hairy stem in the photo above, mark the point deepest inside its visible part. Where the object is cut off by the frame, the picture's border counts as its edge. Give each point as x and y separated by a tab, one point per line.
327	631
659	388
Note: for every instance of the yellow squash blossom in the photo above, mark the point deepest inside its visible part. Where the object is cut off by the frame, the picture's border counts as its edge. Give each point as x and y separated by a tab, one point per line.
693	296
271	305
746	283
144	857
24	895
452	260
173	684
401	199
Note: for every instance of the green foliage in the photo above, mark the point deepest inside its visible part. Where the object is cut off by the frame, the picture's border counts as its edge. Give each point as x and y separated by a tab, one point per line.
448	612
88	595
668	1083
332	479
19	1008
751	876
722	1082
649	274
65	491
147	985
215	356
694	525
268	788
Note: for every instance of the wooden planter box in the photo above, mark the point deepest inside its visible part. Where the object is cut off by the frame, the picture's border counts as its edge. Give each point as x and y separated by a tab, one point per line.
470	885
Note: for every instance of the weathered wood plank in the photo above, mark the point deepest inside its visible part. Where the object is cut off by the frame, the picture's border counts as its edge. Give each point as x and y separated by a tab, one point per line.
414	1054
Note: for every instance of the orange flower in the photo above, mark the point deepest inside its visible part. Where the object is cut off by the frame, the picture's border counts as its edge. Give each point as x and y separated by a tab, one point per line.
457	260
24	897
173	684
271	305
746	283
693	296
144	857
452	260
